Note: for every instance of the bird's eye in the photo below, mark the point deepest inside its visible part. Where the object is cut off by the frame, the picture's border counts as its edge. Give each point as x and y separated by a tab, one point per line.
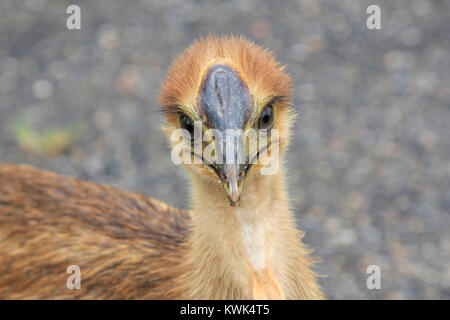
187	124
266	118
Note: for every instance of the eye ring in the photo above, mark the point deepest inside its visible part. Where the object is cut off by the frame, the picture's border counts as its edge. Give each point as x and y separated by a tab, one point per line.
266	117
187	124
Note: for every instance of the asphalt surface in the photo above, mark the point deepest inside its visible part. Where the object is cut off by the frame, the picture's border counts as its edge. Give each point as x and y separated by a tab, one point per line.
369	169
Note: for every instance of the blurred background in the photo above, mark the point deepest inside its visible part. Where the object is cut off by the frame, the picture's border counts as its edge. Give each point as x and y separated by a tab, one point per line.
369	168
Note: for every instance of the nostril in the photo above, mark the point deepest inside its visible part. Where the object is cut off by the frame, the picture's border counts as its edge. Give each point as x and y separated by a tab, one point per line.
223	176
241	174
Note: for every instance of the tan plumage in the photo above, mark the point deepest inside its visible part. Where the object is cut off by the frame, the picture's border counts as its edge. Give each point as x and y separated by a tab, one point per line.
132	246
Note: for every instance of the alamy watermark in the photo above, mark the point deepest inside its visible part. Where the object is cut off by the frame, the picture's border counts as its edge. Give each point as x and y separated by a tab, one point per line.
373	21
374	280
74	280
73	21
234	146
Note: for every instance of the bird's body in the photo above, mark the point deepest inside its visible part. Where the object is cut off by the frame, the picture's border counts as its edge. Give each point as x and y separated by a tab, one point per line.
235	242
127	246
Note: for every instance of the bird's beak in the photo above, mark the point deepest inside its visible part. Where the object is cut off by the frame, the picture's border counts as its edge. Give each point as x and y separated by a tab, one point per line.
225	104
232	182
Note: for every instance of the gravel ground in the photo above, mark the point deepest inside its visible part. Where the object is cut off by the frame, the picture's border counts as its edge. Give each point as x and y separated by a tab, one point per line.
369	163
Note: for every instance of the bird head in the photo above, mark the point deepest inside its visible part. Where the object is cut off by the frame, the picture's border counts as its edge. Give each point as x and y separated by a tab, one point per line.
227	111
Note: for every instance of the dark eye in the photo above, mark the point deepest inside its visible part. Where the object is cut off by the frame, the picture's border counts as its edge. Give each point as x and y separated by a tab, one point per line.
266	118
187	124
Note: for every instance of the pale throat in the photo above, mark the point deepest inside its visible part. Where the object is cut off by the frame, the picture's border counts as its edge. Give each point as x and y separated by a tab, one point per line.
259	223
249	233
253	239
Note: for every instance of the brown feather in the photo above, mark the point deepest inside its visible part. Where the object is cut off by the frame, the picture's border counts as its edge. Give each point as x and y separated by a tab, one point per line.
128	246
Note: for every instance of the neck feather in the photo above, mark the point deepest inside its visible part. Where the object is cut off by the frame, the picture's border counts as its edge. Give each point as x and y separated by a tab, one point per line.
252	251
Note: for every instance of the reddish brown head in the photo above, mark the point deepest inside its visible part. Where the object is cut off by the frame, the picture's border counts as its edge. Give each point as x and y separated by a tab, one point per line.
223	84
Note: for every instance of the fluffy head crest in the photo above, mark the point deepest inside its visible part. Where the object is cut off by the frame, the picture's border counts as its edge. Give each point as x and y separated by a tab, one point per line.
263	74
